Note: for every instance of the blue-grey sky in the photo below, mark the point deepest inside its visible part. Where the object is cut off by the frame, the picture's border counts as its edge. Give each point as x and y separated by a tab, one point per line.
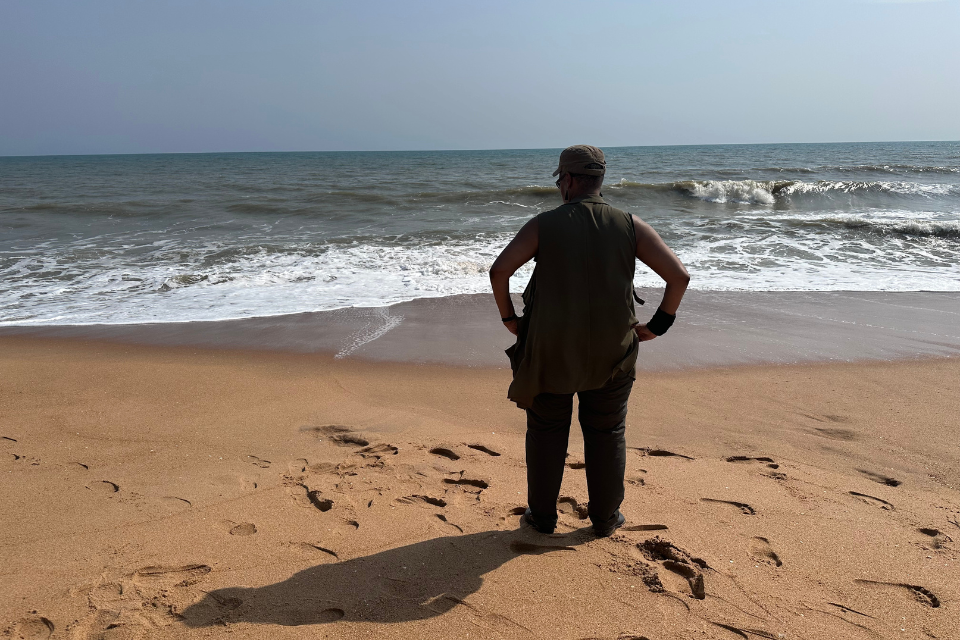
105	76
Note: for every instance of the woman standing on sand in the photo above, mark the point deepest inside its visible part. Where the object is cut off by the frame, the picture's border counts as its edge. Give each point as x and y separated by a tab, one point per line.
579	334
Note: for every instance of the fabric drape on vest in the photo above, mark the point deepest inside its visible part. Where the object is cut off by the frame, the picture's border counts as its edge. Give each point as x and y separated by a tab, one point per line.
575	333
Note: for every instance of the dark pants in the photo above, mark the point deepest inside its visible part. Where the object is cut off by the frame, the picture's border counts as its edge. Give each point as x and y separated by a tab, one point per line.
603	414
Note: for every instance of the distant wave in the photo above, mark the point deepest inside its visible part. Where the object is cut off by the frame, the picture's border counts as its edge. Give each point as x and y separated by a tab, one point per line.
769	192
918	228
894	168
105	208
866	168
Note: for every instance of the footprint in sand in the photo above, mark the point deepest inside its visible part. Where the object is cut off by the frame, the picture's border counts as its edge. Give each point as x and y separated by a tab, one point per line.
571	507
761	551
836	433
243	529
173	503
938	538
826	417
770	462
169	573
527	548
311	549
645	527
32	628
444	453
323	467
881	479
442	518
483	449
659	453
338	434
378	451
744	507
678	561
298	466
502	522
921	594
104	488
871	500
256	461
463	483
745	632
419	499
847	609
319	502
304	496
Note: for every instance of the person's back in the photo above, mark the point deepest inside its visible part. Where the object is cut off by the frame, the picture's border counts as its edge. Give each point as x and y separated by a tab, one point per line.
579	312
579	334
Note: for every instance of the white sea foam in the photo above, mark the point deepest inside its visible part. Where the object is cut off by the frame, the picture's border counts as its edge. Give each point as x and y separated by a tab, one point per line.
723	191
264	283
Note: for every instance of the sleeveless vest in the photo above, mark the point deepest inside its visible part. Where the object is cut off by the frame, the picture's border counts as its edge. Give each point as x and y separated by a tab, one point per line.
575	333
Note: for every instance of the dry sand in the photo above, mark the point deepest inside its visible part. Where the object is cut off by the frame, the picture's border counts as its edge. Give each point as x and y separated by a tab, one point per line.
177	492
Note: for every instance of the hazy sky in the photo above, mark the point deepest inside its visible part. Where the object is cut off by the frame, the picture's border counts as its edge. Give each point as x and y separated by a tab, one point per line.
236	75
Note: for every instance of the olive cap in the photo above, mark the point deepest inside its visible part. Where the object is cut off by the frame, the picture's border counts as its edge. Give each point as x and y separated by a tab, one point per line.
582	158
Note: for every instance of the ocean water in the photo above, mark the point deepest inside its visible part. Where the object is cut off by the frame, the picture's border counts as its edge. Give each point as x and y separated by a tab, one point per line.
163	238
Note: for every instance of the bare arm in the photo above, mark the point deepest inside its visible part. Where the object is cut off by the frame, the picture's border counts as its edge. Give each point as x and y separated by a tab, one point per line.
516	254
653	252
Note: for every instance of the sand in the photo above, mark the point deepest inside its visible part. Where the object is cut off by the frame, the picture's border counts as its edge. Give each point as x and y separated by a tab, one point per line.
179	491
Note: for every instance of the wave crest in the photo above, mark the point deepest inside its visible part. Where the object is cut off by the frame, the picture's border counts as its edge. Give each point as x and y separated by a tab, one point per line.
768	192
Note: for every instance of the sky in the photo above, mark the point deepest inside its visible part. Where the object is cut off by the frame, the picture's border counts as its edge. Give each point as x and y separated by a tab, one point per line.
128	76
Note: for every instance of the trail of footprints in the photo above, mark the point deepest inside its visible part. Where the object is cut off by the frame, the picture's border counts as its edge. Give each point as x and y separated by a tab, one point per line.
106	488
665	554
326	497
319	486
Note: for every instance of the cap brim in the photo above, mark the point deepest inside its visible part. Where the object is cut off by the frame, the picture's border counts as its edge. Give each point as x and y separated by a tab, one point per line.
556	172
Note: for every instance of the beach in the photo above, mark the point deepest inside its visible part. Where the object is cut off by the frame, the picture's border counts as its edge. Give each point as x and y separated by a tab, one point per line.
165	482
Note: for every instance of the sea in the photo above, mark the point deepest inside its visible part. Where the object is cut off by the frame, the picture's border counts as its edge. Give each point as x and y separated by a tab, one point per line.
129	239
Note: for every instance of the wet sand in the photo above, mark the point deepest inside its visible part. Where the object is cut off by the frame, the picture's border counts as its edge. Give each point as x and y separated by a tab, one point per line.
713	329
158	485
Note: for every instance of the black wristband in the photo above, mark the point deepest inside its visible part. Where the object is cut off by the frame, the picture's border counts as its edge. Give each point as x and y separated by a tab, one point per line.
510	318
660	322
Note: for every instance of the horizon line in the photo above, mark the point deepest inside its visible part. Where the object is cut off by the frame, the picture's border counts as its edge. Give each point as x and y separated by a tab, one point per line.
634	146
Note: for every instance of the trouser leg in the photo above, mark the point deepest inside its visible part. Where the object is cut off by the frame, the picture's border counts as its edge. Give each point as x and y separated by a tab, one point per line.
603	415
548	429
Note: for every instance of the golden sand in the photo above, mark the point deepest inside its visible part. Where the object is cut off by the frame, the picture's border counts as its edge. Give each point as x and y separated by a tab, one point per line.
154	492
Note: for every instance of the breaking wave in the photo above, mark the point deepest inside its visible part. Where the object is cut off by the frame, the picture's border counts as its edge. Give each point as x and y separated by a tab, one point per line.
768	192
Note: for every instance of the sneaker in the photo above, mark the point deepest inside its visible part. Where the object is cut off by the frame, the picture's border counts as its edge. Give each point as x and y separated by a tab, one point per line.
530	520
607	531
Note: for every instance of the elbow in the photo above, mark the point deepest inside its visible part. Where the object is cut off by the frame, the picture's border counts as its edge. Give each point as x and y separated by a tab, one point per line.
681	279
499	273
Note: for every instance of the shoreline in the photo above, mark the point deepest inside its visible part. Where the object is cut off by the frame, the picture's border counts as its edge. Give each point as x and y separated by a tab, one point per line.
713	329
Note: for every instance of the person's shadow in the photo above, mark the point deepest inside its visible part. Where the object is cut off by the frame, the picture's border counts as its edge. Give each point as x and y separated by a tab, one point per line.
414	582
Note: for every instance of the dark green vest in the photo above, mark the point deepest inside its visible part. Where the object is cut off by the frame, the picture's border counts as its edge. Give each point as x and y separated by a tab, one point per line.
575	334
